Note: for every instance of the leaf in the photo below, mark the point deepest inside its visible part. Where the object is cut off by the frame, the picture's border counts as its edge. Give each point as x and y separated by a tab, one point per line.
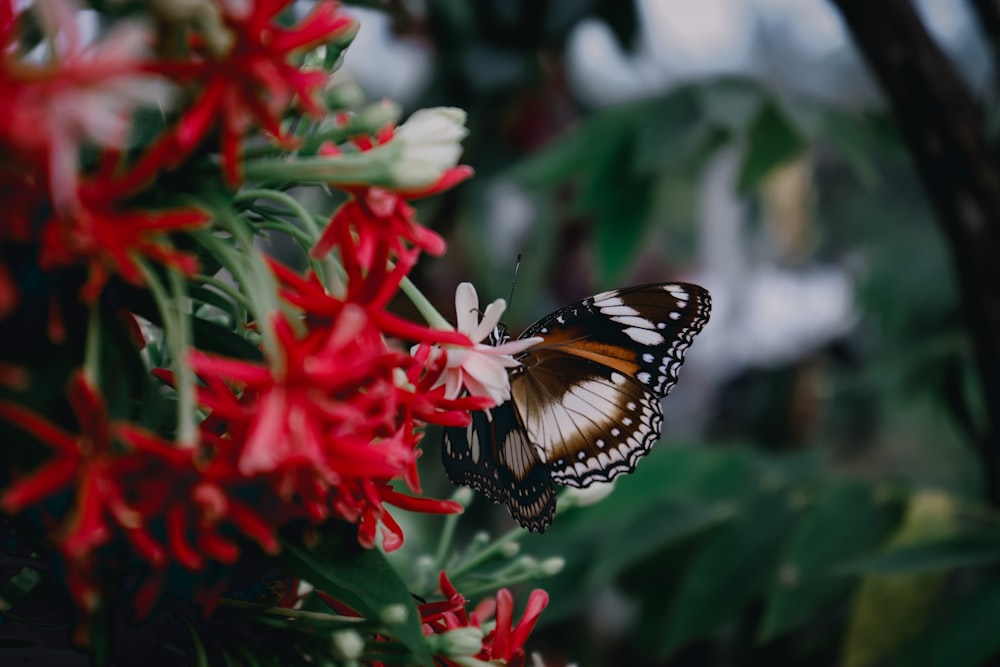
968	637
361	578
731	103
670	132
948	553
891	610
845	521
772	140
734	566
656	528
623	215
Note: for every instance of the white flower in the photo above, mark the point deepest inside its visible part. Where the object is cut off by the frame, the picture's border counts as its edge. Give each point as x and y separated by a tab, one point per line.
482	368
430	144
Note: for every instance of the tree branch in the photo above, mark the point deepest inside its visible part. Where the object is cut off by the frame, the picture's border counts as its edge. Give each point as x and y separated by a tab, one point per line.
945	130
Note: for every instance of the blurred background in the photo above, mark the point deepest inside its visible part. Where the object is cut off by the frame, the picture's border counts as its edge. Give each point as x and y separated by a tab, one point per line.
835	407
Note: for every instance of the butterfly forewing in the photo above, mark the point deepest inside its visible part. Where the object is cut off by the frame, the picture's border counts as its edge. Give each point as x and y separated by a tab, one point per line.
589	394
494	457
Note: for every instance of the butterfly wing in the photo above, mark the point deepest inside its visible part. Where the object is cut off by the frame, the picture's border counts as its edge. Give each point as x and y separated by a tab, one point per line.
589	393
495	457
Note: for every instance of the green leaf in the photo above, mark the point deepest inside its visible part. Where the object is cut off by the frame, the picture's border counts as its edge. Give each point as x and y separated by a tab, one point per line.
669	133
891	610
968	637
623	216
361	578
772	140
732	104
845	521
734	566
656	527
948	553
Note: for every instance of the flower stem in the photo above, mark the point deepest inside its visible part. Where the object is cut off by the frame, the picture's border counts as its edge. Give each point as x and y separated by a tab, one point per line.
92	352
426	309
487	554
175	332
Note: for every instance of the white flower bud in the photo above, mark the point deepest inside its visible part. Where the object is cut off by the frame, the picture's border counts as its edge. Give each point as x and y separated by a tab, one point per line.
347	644
456	643
430	145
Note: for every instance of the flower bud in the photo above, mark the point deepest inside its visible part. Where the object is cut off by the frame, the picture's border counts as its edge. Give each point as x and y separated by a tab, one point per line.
393	614
347	645
430	142
456	643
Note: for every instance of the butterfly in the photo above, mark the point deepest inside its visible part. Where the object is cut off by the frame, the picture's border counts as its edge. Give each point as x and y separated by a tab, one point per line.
585	401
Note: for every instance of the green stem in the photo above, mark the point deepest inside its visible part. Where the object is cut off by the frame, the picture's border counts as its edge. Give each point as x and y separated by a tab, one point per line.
187	426
487	554
495	583
426	309
92	352
176	335
284	612
307	236
225	288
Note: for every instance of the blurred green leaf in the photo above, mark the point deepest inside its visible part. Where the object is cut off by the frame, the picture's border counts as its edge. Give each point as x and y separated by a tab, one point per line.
947	553
361	578
655	528
731	103
845	521
772	140
670	131
891	610
968	637
735	565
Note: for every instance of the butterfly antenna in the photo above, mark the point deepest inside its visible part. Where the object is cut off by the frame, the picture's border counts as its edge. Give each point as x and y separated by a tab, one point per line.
513	284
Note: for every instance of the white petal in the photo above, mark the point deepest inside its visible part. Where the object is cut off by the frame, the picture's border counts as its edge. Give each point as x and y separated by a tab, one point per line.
518	345
490	320
466	308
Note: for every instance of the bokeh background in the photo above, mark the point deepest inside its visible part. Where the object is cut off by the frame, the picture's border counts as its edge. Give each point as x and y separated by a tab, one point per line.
822	492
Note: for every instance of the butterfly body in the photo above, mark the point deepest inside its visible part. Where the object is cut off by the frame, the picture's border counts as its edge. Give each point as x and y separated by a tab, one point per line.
585	401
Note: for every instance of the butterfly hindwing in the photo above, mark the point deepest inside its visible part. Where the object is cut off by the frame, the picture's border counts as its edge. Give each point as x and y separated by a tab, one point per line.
589	393
495	457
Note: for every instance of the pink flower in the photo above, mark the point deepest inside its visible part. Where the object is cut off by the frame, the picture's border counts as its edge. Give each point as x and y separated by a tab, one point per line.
481	369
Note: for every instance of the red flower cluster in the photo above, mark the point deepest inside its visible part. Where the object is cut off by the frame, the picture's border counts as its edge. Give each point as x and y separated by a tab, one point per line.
327	426
499	641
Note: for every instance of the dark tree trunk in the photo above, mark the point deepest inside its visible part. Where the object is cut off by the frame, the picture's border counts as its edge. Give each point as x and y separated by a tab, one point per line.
945	130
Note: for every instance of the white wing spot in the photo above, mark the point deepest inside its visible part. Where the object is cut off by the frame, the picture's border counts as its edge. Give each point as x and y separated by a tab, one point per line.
643	377
630	405
615	431
647	357
640	322
643	336
608	300
675	316
599	442
618	378
627	421
619	311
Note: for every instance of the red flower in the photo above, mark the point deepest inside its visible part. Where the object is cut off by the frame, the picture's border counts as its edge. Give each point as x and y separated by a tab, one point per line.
326	422
253	83
379	215
501	645
86	465
109	240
